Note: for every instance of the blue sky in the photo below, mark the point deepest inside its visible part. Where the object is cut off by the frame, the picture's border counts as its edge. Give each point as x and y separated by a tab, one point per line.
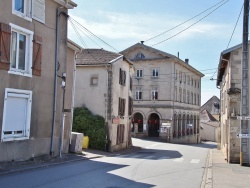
124	23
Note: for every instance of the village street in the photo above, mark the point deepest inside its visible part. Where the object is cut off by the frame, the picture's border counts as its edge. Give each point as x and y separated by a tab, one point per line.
157	164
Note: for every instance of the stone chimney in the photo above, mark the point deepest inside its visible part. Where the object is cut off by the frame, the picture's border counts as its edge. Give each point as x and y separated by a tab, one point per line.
142	42
187	61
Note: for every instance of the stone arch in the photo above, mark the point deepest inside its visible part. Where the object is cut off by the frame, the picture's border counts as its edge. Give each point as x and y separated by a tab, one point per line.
137	119
153	125
151	112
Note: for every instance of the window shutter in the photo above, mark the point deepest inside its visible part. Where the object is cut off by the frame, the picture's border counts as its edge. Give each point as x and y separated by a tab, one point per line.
37	55
120	76
5	34
38	10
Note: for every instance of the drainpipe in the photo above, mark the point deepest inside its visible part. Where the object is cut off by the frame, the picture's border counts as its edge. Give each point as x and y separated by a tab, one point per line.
55	85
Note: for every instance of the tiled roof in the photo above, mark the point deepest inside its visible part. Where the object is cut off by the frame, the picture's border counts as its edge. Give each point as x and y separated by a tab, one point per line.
96	57
207	117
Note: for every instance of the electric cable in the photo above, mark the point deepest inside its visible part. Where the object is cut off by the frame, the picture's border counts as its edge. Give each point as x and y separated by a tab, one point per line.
184	22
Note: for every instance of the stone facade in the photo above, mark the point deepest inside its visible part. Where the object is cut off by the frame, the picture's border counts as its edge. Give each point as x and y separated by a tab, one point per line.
166	93
229	82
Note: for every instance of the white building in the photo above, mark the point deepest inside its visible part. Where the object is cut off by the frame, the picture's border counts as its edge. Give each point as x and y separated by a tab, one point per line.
103	86
166	93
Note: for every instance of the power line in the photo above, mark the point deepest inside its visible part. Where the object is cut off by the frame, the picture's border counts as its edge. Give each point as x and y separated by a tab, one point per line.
94	35
190	25
235	26
184	21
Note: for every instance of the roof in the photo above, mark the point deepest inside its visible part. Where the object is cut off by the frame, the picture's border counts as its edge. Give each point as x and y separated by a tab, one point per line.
164	54
73	45
148	48
208	105
207	117
223	60
96	57
67	3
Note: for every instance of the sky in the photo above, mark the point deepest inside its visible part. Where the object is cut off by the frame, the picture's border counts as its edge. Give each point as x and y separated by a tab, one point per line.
122	24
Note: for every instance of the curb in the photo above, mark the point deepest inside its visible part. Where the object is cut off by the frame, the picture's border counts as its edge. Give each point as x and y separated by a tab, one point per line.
207	179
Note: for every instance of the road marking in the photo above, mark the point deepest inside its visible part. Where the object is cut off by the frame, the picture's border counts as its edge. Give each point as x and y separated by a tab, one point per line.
196	161
179	159
136	156
149	157
165	157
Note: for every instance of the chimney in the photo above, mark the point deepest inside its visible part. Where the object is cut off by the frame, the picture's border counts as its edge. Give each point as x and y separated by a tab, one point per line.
142	42
186	61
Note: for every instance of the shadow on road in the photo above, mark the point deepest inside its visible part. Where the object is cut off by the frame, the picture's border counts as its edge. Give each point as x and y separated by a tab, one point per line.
86	173
153	154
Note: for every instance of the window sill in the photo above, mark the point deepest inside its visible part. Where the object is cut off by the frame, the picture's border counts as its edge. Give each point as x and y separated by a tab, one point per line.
14	139
154	77
19	73
22	16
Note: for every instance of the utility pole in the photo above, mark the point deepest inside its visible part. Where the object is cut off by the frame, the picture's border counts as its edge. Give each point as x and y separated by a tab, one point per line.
245	143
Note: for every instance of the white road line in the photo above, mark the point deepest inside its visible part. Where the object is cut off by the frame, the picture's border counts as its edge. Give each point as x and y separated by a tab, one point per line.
179	159
165	157
149	157
196	161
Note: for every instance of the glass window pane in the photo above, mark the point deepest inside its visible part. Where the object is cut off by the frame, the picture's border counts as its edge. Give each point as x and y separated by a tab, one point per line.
19	5
22	48
13	49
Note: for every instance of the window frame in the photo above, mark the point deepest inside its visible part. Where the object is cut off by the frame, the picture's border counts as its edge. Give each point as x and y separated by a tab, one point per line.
27	13
138	93
19	94
155	73
92	79
154	94
140	73
28	51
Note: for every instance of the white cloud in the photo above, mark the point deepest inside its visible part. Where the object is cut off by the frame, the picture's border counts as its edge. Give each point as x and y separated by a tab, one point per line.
141	26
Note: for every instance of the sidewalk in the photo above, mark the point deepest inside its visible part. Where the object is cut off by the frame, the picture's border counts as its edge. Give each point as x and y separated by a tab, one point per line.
45	161
220	174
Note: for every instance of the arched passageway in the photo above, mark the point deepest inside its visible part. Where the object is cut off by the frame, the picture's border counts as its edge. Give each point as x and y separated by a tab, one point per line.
137	118
153	125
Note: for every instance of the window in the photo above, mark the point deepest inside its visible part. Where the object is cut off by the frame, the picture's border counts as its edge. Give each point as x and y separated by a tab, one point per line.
194	99
185	78
154	93
140	56
155	73
180	76
120	134
121	107
198	84
192	81
191	99
198	100
94	80
138	93
175	93
139	73
180	94
188	99
16	115
21	51
130	108
184	95
122	77
188	80
176	74
195	83
28	9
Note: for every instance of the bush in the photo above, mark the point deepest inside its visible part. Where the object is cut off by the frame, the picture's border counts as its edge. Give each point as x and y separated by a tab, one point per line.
91	125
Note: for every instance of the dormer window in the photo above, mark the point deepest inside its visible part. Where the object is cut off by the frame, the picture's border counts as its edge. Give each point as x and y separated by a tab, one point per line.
140	56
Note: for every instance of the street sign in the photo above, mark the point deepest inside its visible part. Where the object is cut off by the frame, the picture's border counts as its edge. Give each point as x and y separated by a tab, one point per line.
243	135
243	117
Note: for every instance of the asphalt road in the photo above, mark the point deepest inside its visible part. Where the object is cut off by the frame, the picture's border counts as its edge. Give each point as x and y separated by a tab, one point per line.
157	165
